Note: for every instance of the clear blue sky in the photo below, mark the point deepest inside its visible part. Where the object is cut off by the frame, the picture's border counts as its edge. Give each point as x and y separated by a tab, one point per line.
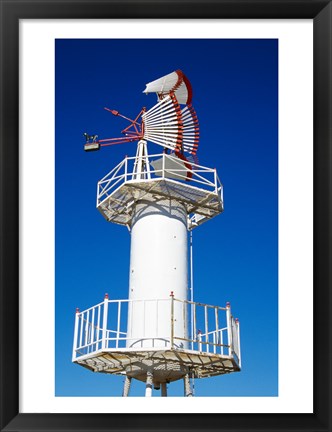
235	94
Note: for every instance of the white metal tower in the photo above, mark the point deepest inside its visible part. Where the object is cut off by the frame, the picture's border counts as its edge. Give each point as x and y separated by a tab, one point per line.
159	335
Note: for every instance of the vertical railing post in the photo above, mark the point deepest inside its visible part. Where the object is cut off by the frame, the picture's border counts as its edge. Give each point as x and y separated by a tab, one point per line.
126	167
216	318
206	329
229	328
172	319
86	331
215	181
104	334
97	199
93	329
199	339
163	166
221	341
147	162
75	333
118	325
98	329
184	319
238	340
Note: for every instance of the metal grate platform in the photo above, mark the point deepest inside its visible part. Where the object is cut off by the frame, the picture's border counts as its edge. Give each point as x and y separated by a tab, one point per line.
171	364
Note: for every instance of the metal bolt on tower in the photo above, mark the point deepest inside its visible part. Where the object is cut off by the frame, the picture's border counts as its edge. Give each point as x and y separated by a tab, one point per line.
158	335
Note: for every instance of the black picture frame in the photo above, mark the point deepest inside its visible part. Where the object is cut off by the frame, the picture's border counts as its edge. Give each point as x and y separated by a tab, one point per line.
11	12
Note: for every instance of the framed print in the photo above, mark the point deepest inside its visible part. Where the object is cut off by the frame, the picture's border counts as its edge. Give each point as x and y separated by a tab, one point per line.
243	104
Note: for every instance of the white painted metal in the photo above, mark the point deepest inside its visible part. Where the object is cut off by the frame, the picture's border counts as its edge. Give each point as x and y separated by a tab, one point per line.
174	81
81	331
216	333
158	266
141	166
239	344
92	326
86	330
104	340
206	326
118	325
229	329
163	84
75	335
199	339
235	335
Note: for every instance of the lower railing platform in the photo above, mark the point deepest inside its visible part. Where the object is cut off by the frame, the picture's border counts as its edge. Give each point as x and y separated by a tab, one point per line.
101	342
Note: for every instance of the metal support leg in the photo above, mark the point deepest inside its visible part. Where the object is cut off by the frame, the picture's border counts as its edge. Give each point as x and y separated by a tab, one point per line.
163	389
187	389
126	386
149	382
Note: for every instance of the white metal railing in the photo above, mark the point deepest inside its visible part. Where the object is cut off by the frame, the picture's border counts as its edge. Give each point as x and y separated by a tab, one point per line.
105	327
170	167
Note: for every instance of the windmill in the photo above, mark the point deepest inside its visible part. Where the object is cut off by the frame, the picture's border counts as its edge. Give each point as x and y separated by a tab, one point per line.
159	334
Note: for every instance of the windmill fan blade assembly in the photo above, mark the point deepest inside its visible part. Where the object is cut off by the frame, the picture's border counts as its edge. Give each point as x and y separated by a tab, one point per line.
171	123
168	124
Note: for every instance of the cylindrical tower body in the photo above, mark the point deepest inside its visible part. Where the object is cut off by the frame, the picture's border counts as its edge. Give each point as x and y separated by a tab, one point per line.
158	266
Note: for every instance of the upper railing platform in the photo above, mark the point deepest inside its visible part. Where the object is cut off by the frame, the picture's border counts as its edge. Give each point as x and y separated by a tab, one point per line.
102	340
165	176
